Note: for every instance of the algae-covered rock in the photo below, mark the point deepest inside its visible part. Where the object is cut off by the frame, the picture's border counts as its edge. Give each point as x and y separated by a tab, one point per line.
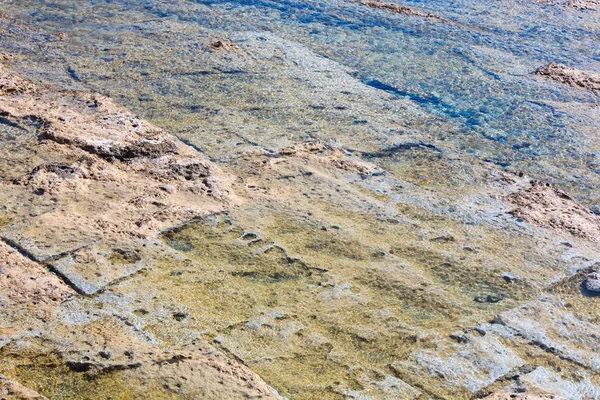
11	390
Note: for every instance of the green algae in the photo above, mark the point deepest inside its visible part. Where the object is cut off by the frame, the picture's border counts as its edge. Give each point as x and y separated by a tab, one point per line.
50	376
357	300
5	221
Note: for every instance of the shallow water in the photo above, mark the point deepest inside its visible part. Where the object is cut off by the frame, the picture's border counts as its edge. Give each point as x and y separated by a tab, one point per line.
321	287
473	72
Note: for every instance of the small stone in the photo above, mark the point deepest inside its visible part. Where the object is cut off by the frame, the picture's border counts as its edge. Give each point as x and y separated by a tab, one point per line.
180	316
253	325
224	45
490	298
443	239
168	188
592	282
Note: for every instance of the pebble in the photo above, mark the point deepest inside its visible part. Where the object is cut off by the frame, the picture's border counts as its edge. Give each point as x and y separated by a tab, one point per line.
592	282
168	188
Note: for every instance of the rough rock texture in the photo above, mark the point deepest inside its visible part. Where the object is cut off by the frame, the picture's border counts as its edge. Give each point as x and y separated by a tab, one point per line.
91	215
25	282
396	9
107	194
11	390
472	364
582	4
530	395
330	157
222	45
543	384
330	276
575	4
198	370
592	282
571	76
550	382
107	345
10	83
545	205
547	323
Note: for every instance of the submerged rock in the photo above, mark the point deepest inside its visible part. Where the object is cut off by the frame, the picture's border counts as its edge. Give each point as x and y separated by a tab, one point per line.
548	324
544	384
575	4
111	163
528	395
223	45
470	365
582	4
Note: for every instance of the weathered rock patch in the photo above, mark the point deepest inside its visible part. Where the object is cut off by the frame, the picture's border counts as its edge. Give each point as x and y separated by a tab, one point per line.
571	76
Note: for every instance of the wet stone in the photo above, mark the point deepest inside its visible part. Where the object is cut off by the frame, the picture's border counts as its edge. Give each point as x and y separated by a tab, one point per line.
548	324
468	365
592	282
545	384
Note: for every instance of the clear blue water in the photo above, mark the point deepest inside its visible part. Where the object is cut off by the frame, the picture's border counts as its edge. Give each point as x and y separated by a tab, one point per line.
474	73
418	96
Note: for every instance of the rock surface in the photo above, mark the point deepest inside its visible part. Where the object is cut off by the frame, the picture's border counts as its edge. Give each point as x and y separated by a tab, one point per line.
11	390
592	282
363	235
576	4
24	282
123	161
472	365
548	324
545	205
396	9
531	395
101	208
543	384
573	77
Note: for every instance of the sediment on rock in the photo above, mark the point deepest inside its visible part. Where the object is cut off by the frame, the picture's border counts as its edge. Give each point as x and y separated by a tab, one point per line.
25	282
90	215
106	188
545	205
110	346
396	9
575	4
11	390
529	395
330	157
573	77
